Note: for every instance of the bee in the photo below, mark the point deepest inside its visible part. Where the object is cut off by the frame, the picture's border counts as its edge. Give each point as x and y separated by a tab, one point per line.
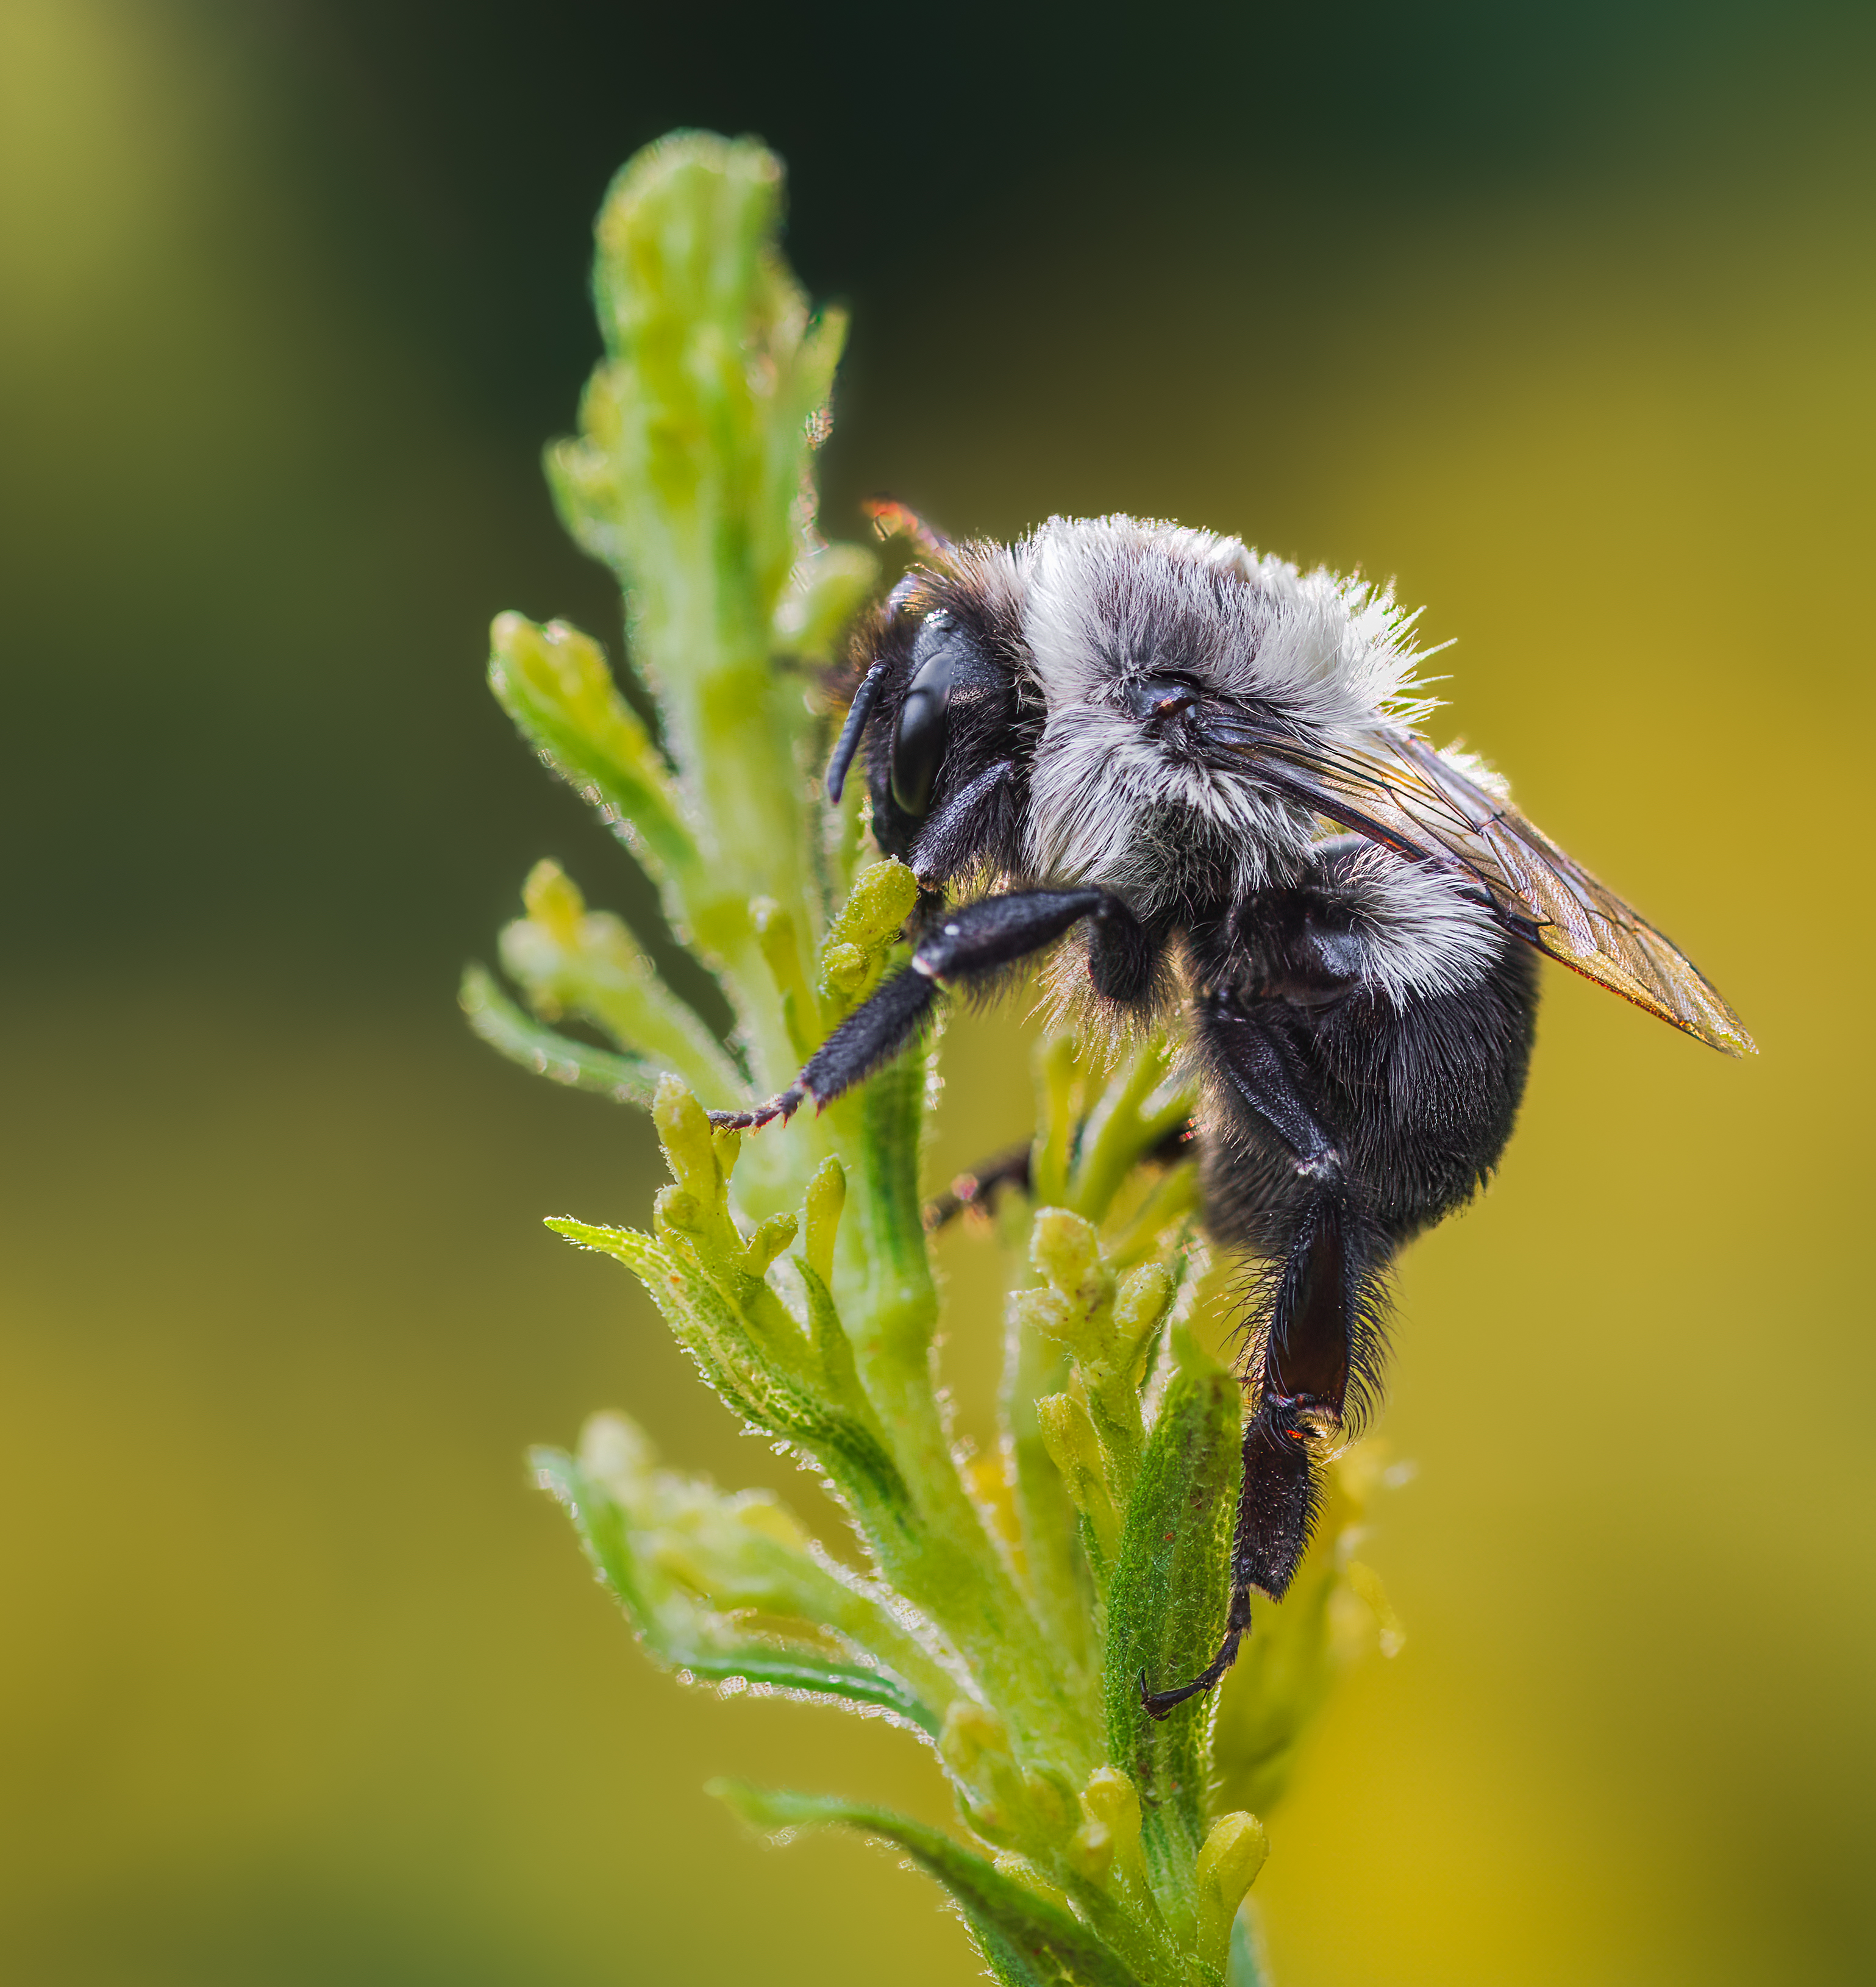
1196	775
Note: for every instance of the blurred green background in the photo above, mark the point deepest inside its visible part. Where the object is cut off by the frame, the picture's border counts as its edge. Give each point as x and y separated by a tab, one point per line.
1565	314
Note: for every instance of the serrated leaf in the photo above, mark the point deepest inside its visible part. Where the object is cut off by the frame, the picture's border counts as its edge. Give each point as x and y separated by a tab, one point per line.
1047	1943
746	1372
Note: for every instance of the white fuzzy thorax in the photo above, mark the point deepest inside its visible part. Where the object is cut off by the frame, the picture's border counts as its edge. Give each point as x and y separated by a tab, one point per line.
1107	599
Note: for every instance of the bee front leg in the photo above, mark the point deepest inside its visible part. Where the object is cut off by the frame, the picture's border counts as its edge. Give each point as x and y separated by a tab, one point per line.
970	945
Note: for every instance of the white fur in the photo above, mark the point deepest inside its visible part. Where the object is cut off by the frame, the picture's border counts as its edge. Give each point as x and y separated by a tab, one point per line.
1417	935
1109	598
1102	601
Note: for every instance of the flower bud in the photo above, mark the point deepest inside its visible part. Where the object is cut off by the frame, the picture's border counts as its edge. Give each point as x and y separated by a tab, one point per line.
684	1131
771	1238
970	1730
1074	1449
1049	1795
553	899
1233	1854
975	1744
843	967
1065	1249
1139	1308
827	1195
866	928
1048	1313
673	1208
1110	1828
1111	1798
616	1450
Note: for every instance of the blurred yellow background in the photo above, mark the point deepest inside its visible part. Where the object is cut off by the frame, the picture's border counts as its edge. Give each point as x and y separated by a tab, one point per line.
1567	320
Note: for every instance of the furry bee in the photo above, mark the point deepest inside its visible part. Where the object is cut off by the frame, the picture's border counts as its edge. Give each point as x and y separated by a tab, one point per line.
1195	774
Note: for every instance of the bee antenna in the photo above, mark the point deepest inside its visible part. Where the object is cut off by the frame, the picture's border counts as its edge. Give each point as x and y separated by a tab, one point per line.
848	742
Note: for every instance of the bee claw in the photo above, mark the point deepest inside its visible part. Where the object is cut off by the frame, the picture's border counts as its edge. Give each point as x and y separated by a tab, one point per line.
783	1107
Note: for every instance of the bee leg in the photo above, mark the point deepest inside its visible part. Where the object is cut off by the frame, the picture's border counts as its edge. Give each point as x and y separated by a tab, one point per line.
1308	1348
1304	1382
1157	1703
1320	1307
976	940
1303	1385
983	814
972	942
869	1038
980	1186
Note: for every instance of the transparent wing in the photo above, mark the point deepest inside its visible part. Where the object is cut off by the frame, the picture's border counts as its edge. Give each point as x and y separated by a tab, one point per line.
1430	806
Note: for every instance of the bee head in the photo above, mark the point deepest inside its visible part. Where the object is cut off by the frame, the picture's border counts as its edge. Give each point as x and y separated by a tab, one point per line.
948	716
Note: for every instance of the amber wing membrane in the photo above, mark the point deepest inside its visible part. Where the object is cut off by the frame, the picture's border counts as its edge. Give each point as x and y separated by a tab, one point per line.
1401	792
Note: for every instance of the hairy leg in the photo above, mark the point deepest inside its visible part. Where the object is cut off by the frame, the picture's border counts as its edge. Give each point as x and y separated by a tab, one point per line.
1319	1300
971	944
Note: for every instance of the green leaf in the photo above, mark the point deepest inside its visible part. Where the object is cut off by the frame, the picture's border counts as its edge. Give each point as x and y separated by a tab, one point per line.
752	1374
553	683
509	1031
700	1641
572	960
1167	1600
1047	1944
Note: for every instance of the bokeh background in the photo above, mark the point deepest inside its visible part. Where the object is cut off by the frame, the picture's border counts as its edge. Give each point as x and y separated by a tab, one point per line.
1564	314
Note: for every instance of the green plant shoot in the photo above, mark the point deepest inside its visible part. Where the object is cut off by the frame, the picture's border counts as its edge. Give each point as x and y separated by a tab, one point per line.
1010	1602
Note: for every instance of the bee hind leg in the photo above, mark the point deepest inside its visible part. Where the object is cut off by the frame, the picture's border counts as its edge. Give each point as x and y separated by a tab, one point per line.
1304	1348
1314	1328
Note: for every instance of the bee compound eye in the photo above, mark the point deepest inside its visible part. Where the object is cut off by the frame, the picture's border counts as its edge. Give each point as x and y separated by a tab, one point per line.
918	744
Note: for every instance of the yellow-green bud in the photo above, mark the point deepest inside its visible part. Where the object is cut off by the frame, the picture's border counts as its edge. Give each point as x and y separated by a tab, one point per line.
827	1195
614	1448
673	1208
865	926
1065	1249
844	966
553	899
970	1730
1111	1798
881	901
1049	1795
684	1131
1091	1852
1366	1584
1233	1854
771	1238
1143	1300
1110	1828
1069	1435
774	930
1047	1312
1074	1449
763	1512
